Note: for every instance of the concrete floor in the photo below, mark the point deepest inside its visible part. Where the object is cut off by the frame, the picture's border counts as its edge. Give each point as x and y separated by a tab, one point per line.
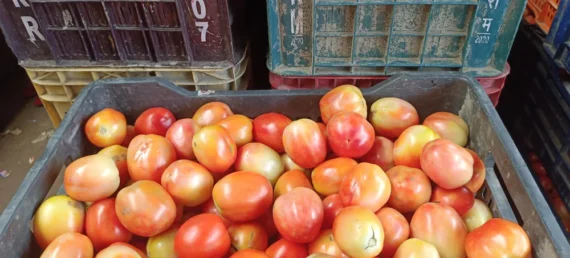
25	140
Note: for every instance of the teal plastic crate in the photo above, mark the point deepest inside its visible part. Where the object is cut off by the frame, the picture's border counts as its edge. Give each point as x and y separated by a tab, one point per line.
383	37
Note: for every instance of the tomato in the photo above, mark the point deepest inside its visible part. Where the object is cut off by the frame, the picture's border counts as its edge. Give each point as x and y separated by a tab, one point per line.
188	182
259	158
210	207
441	226
477	215
323	128
410	188
69	245
447	164
365	185
298	215
546	183
533	157
560	208
243	196
91	178
106	127
240	127
284	248
498	238
396	230
148	156
449	126
249	235
332	206
180	134
122	250
145	208
119	155
349	135
408	147
57	215
154	120
249	253
460	199
391	116
290	180
320	255
211	113
290	165
342	98
266	220
204	236
380	153
538	169
102	225
327	176
131	133
268	129
214	148
358	232
415	248
325	244
478	178
162	245
305	143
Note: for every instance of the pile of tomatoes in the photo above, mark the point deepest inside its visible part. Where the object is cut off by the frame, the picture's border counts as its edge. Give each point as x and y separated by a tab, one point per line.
221	184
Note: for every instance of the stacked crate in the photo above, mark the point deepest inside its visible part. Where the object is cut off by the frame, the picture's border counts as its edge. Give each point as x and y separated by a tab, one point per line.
64	45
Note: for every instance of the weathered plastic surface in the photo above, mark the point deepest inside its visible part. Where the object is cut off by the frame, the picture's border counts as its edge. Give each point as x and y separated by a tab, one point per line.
78	33
428	93
378	37
557	43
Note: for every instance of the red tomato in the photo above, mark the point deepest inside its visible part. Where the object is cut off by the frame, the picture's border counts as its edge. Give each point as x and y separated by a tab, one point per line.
70	244
91	178
349	135
358	232
396	230
408	147
414	247
145	208
148	156
340	99
538	169
119	155
391	116
441	226
305	143
478	178
211	113
122	250
188	182
327	176
447	164
498	238
210	207
325	244
154	120
460	199
204	236
381	153
477	215
103	226
332	206
180	134
268	129
107	127
410	188
56	216
249	253
298	215
546	183
449	126
290	180
214	148
533	157
560	208
259	158
131	133
365	185
267	222
243	196
284	248
249	235
240	127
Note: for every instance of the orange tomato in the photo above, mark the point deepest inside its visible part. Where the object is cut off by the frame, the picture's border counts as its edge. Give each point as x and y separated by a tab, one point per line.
449	126
268	129
305	143
365	185
396	230
249	253
381	153
214	148
70	245
202	236
410	188
102	225
349	135
56	216
284	248
211	113
325	244
145	208
327	176
298	215
498	238
106	127
447	164
180	134
119	155
342	98
148	156
249	235
122	250
391	116
188	182
460	199
259	158
478	178
408	147
415	248
290	180
358	232
332	206
240	128
91	178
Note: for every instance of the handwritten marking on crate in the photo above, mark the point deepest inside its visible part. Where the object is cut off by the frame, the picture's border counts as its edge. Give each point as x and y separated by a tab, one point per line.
29	22
484	37
199	11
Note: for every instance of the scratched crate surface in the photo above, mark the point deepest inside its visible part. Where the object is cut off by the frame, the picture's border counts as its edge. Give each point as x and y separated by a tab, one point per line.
75	33
377	37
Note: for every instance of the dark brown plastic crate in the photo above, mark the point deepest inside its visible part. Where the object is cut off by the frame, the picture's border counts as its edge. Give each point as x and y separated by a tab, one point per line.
195	33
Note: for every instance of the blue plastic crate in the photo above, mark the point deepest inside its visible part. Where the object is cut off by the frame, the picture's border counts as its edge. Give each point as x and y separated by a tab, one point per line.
383	37
557	42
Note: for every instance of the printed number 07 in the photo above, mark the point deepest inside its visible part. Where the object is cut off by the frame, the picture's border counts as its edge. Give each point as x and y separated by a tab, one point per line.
199	10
